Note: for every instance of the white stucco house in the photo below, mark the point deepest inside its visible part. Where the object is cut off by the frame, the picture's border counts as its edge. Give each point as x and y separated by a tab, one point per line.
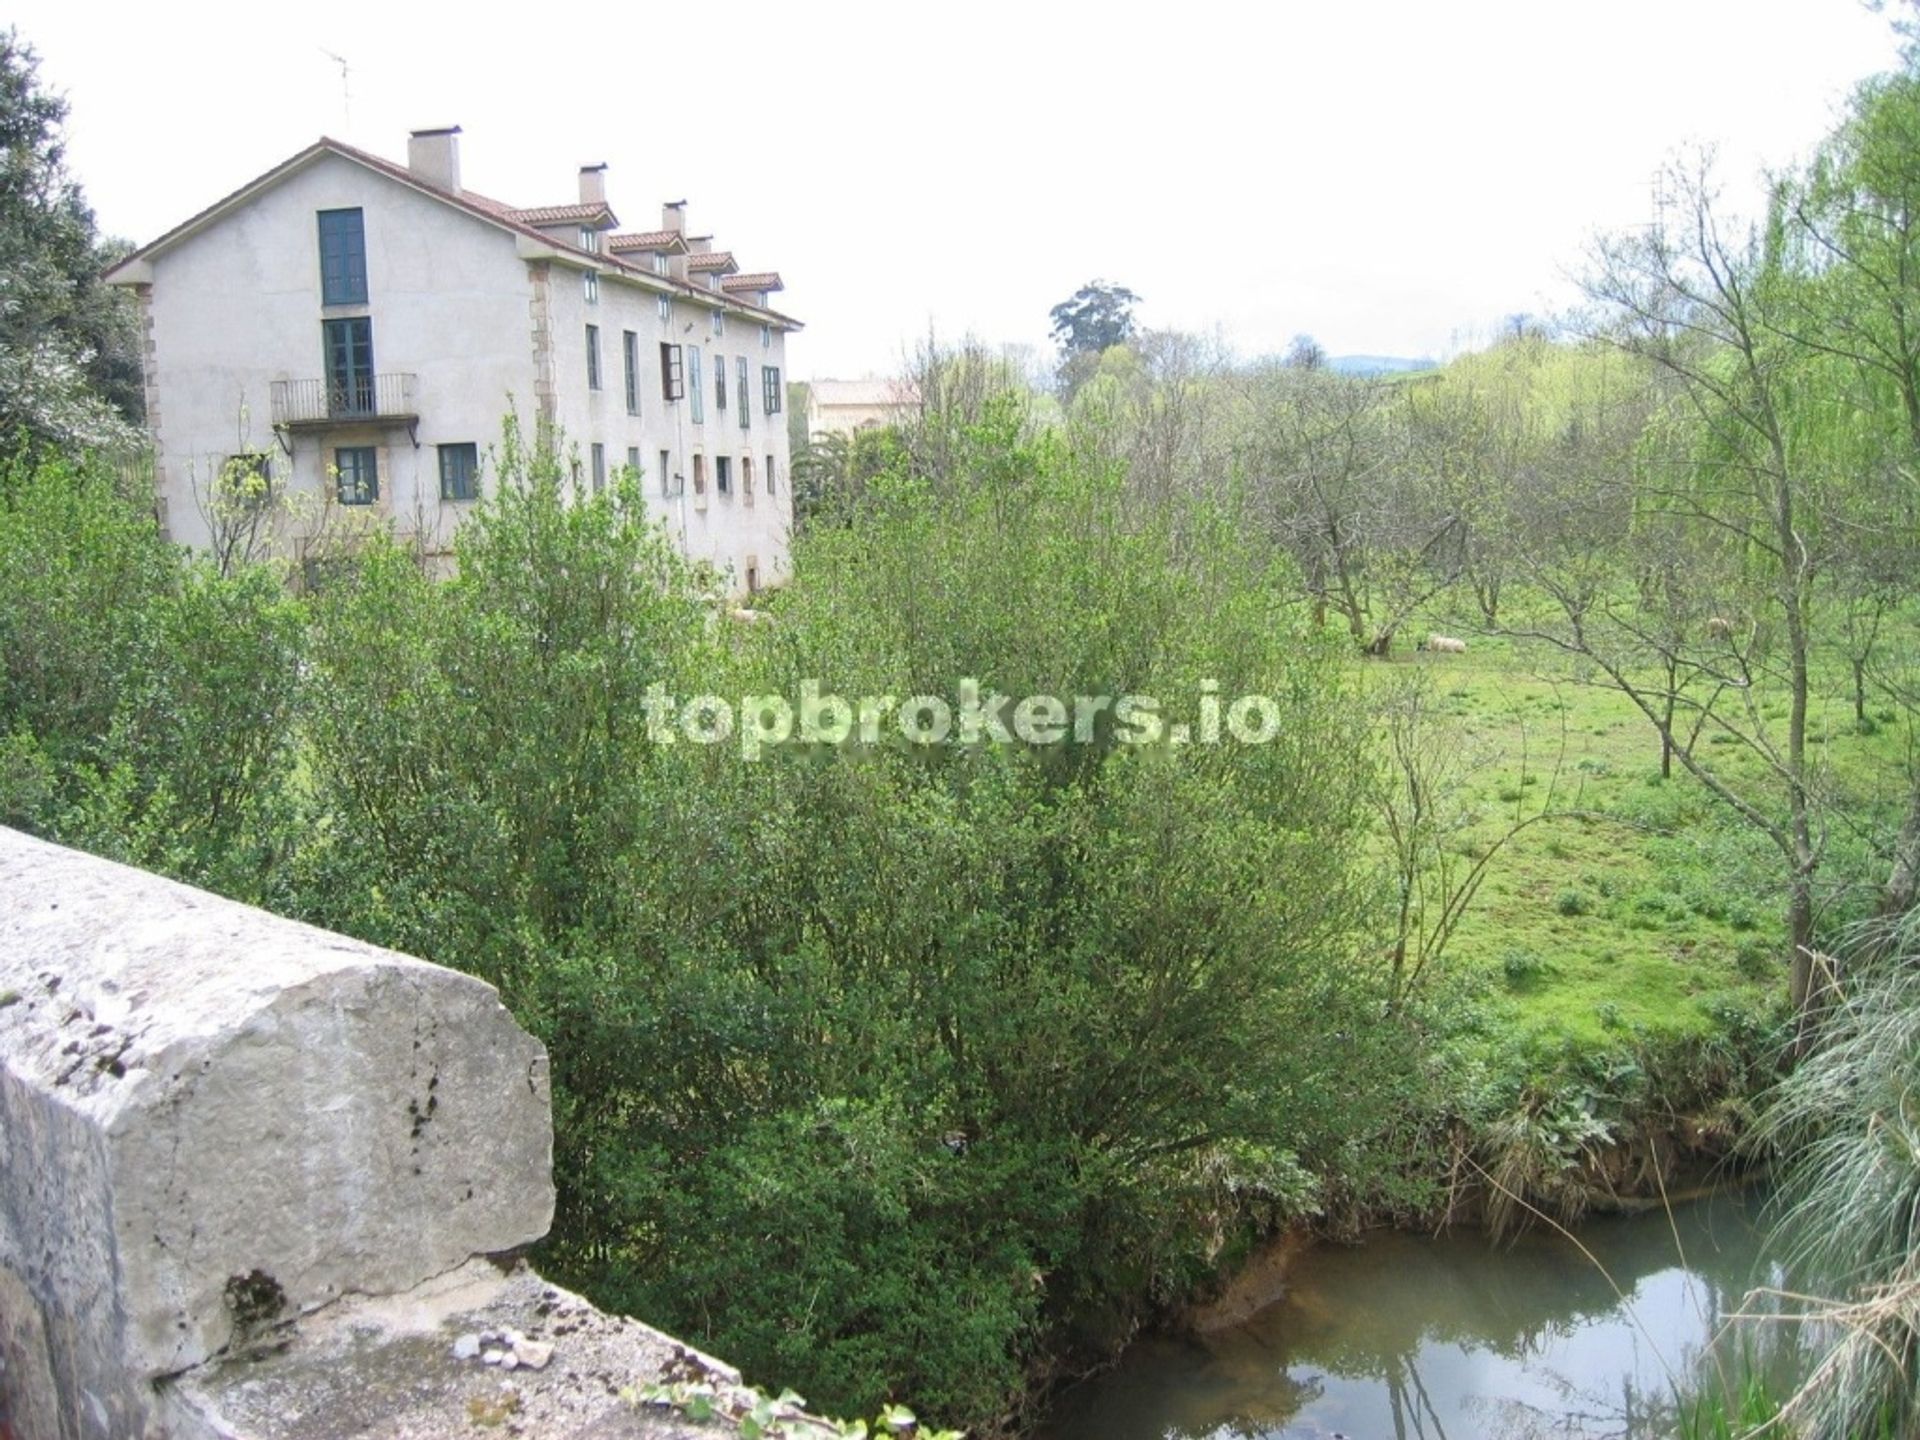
356	330
845	407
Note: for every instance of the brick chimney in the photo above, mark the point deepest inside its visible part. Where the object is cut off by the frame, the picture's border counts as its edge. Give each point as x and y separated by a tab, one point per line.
434	157
593	184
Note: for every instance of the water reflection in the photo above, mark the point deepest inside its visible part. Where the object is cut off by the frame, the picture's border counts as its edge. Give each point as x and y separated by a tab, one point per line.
1409	1338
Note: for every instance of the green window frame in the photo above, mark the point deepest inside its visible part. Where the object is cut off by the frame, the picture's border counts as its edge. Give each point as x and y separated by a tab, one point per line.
460	471
343	258
349	357
357	474
770	396
593	357
746	409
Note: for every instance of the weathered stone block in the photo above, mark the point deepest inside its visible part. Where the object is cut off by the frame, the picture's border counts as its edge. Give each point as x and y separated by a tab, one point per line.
211	1117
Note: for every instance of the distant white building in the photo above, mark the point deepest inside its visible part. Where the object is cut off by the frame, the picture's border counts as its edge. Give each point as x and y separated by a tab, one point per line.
841	407
357	329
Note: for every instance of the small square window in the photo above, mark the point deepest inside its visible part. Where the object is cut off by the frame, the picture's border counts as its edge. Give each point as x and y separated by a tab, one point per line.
357	470
460	472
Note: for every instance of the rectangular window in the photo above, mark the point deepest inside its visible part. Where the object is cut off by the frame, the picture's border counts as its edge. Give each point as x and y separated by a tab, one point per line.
770	394
699	474
660	267
630	353
666	472
719	317
746	477
766	337
769	474
593	357
673	382
343	258
590	283
719	382
696	386
599	467
590	241
723	474
357	469
666	309
349	347
746	410
459	472
633	461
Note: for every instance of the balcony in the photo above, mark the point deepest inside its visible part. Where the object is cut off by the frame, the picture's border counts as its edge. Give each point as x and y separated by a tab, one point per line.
361	400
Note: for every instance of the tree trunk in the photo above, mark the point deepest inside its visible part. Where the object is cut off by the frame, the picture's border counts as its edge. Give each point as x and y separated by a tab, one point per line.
1860	691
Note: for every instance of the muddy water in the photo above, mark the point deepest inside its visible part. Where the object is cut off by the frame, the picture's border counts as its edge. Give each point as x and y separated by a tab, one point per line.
1450	1339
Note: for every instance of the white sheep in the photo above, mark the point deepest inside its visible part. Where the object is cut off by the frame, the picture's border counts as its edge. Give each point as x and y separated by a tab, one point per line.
1443	645
1719	628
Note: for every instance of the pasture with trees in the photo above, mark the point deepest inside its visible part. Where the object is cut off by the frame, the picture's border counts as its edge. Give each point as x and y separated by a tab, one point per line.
1591	806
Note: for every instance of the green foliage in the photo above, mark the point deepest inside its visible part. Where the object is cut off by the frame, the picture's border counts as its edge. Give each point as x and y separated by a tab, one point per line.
1094	318
145	703
975	1079
1849	1202
69	366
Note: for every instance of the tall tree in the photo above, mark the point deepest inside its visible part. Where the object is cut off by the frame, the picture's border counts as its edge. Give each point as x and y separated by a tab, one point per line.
69	369
1098	315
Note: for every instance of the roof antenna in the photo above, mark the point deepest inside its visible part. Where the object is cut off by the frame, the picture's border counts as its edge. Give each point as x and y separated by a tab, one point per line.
346	92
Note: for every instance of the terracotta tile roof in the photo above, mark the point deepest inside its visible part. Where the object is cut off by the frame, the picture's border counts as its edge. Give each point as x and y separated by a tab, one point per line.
561	214
493	211
713	260
758	280
671	241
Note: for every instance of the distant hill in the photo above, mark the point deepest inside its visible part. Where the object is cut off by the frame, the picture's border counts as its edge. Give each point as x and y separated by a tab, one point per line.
1377	364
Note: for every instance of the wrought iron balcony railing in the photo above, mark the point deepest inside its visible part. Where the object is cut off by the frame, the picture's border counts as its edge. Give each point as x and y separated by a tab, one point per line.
356	400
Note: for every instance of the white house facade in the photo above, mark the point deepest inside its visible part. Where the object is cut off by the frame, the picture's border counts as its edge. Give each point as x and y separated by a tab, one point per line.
354	331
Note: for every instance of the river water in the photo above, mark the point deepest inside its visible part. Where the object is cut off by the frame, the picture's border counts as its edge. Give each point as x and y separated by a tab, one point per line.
1450	1338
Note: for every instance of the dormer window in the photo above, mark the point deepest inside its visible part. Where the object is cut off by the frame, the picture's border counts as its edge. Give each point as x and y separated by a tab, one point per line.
659	264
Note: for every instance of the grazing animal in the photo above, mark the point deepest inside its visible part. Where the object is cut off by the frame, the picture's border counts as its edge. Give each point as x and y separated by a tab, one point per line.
1443	645
749	617
1719	628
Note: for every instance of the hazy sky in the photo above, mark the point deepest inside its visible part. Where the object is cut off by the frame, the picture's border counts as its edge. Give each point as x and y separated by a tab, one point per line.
1390	177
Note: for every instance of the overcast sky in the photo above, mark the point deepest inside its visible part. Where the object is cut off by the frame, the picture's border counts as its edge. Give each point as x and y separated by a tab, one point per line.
1392	178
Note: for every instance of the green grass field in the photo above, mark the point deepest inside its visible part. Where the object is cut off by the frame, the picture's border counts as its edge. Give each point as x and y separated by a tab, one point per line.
1644	914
